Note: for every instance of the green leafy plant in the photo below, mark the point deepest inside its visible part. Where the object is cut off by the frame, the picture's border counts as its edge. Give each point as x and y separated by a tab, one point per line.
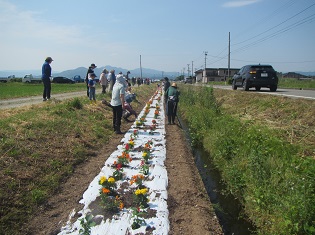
144	168
137	215
86	223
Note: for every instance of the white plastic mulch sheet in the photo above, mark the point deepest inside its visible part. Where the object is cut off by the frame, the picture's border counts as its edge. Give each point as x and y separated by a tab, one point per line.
156	181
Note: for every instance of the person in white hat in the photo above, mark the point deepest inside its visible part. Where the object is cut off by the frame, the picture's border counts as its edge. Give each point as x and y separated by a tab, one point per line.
118	99
172	97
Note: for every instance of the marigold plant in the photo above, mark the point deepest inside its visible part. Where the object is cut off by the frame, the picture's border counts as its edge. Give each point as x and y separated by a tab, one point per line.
137	179
141	197
124	159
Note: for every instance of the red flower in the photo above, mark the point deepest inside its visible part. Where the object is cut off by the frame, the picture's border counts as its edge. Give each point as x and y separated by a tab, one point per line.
119	166
127	147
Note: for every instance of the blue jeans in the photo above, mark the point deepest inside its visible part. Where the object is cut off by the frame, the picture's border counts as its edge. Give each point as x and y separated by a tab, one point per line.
92	93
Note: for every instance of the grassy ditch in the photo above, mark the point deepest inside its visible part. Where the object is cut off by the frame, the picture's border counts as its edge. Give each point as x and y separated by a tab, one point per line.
264	148
41	146
11	90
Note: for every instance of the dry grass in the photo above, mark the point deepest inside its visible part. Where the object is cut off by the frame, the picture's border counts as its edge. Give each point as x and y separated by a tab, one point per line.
294	119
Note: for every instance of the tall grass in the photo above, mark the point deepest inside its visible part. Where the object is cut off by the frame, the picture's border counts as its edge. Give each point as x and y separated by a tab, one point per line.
273	182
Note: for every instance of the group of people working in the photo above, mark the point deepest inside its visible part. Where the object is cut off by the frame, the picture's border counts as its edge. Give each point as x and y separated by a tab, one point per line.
121	93
121	98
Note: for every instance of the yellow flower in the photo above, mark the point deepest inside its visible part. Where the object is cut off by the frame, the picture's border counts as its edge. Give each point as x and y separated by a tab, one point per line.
111	180
144	154
141	191
102	180
144	191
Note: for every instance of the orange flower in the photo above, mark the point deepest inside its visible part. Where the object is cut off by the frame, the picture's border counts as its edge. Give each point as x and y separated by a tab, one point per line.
121	206
105	190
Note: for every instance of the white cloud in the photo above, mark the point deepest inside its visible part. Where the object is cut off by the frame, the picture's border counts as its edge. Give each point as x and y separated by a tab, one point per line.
27	37
240	3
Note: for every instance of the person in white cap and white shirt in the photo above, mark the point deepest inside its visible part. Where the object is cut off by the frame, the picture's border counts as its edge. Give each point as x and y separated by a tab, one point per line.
117	101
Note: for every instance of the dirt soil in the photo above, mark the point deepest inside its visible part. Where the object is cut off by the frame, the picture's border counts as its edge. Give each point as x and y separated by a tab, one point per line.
190	211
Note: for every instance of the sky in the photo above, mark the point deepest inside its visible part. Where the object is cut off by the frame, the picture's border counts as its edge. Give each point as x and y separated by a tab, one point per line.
169	35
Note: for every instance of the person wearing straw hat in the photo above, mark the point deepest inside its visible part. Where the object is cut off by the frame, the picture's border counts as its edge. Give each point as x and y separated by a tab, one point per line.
172	97
103	80
46	74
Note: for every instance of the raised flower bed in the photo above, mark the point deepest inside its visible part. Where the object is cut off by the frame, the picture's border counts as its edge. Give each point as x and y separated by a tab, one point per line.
129	195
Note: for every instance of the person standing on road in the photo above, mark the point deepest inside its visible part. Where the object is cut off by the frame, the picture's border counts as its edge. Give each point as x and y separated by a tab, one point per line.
46	74
90	71
103	80
172	97
118	99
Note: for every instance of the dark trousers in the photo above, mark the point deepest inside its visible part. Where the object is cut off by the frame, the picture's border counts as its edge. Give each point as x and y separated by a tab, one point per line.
171	111
117	114
87	88
104	89
47	88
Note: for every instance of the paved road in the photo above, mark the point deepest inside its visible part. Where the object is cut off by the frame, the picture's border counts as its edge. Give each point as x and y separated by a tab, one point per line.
19	102
293	93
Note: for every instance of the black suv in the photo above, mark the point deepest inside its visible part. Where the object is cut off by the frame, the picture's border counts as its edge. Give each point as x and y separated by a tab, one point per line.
255	76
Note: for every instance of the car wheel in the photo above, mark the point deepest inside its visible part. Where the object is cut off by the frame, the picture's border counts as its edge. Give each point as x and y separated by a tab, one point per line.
257	88
273	88
234	87
245	85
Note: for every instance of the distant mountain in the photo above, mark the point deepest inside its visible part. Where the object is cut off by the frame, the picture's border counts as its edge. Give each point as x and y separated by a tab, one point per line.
146	73
309	74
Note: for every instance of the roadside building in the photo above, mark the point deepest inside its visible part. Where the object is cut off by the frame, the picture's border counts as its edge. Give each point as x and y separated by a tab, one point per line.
214	74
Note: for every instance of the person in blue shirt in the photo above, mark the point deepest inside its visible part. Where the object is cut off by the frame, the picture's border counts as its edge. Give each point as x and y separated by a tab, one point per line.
90	70
112	79
46	74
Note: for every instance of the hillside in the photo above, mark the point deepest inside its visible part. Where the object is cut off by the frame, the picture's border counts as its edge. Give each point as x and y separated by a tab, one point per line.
146	72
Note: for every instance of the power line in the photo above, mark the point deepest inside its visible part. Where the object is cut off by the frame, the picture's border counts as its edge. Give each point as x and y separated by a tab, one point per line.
276	25
274	34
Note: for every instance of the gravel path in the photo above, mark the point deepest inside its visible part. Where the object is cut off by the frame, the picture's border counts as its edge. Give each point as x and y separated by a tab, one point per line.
19	102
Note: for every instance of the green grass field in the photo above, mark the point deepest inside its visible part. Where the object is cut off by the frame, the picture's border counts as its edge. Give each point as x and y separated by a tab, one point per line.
17	89
283	83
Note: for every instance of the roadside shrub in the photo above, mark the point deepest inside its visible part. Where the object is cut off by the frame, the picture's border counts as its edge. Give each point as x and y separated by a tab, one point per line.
75	103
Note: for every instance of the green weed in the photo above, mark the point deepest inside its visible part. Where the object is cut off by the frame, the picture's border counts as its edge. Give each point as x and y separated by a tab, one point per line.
270	175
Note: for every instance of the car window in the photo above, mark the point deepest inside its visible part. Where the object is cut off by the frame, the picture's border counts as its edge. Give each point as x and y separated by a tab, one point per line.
264	68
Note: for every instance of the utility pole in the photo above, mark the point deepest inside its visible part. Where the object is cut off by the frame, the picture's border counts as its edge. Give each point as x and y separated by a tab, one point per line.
229	58
205	70
188	71
192	69
140	68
